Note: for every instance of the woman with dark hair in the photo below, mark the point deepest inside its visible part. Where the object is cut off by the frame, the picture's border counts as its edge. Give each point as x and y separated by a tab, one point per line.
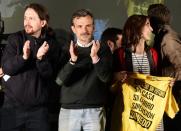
134	56
139	57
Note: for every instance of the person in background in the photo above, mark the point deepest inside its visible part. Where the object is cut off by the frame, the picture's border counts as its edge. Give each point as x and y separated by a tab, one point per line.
134	56
111	37
27	67
167	42
84	78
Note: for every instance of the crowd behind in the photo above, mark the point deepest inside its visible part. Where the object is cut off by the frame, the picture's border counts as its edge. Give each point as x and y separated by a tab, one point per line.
81	75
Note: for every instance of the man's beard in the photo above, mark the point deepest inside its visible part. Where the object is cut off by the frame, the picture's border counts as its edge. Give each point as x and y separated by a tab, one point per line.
29	30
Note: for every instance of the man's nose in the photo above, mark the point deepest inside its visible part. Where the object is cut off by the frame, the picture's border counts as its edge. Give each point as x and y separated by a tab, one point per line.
85	30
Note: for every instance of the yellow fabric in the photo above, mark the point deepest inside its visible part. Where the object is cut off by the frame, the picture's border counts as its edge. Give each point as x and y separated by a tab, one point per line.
145	100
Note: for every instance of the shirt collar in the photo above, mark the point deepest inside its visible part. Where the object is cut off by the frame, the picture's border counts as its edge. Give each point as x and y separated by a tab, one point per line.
85	45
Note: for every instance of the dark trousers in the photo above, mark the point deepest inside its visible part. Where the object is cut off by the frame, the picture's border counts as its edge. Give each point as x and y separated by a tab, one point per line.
172	124
18	119
175	123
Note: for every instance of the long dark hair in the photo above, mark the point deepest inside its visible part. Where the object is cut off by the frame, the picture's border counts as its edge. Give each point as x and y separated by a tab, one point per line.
132	30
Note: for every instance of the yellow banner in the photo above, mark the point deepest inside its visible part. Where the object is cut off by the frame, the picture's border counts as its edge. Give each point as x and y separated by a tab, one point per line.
141	102
145	100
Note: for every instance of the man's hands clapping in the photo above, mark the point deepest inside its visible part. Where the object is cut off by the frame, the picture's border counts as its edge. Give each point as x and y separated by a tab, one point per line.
41	51
93	54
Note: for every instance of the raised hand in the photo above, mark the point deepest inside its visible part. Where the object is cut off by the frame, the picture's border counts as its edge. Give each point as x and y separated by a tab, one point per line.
121	76
1	72
42	50
172	82
94	50
72	51
26	50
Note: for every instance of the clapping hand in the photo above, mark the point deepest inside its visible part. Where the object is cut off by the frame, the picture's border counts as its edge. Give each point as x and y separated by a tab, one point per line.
1	72
72	51
94	50
26	50
42	50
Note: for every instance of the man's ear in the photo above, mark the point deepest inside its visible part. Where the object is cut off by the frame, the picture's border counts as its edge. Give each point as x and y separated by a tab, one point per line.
73	29
110	43
43	23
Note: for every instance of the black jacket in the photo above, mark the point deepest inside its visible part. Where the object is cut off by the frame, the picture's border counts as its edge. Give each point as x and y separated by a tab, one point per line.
29	79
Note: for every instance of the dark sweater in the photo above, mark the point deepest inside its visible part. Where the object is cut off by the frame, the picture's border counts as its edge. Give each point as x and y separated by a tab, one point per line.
84	84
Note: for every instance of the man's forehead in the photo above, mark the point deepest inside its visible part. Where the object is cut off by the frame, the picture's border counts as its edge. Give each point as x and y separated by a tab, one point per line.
30	12
83	20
